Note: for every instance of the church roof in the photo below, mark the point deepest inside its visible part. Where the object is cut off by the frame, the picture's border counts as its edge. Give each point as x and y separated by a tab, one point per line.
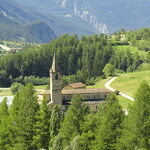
75	85
79	91
85	91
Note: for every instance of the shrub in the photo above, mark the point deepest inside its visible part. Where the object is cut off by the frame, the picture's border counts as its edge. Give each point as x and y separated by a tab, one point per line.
15	87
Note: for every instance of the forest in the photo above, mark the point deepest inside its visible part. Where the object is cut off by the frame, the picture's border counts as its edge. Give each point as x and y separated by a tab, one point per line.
26	125
79	58
30	125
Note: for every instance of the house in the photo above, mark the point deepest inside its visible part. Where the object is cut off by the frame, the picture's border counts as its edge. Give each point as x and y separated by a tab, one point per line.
78	85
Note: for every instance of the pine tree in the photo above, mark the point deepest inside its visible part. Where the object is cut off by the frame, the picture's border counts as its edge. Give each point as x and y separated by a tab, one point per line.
97	62
55	121
4	125
42	133
86	140
111	124
72	121
23	112
136	132
14	112
57	143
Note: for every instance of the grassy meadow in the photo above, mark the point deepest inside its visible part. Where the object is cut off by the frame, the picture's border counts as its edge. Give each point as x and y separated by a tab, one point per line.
41	87
122	101
100	83
129	82
5	92
125	103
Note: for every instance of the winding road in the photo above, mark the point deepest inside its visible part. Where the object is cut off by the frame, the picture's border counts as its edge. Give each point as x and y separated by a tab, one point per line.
107	86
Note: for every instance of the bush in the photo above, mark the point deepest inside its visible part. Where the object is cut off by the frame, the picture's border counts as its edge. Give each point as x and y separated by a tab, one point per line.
90	81
15	87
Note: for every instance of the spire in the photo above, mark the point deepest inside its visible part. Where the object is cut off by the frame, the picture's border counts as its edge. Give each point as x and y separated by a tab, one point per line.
54	64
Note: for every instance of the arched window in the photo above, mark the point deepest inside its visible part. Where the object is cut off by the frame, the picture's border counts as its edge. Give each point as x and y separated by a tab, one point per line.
56	77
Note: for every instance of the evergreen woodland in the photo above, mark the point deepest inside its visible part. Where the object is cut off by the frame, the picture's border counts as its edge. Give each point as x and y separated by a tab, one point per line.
80	59
28	125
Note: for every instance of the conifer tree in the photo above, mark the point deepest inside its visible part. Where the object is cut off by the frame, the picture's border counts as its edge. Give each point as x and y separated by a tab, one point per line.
14	112
55	121
4	125
136	133
57	143
72	121
42	134
111	124
23	118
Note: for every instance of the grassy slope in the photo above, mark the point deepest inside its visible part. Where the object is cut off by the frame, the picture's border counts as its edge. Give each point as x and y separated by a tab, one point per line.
41	87
122	101
5	92
129	82
99	83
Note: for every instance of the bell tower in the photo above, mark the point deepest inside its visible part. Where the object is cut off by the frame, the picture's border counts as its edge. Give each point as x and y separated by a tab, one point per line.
55	83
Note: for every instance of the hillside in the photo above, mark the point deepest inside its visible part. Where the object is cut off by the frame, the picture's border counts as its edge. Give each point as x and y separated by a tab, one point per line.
34	32
104	16
129	82
72	17
16	23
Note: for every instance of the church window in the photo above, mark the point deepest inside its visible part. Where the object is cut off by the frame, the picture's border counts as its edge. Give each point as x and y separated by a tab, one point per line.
56	76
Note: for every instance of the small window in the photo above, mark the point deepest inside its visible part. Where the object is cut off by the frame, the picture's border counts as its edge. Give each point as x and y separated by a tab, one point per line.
56	76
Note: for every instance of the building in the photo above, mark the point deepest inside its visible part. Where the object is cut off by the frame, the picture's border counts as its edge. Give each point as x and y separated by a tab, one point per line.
78	85
57	95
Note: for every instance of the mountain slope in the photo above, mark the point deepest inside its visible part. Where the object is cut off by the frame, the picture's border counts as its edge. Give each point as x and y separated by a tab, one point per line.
103	15
18	23
14	18
80	17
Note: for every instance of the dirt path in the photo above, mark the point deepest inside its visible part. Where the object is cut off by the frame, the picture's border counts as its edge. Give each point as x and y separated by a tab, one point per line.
107	86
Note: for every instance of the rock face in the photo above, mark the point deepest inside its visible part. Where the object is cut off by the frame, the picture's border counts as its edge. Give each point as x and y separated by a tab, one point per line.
92	19
102	15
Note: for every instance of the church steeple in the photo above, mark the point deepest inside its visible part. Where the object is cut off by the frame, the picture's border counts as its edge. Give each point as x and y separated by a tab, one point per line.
55	83
54	67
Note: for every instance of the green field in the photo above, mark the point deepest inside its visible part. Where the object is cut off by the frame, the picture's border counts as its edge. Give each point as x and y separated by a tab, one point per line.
129	82
6	92
99	84
133	50
41	87
122	101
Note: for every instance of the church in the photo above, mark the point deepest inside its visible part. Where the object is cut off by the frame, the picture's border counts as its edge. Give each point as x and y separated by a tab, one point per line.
56	95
